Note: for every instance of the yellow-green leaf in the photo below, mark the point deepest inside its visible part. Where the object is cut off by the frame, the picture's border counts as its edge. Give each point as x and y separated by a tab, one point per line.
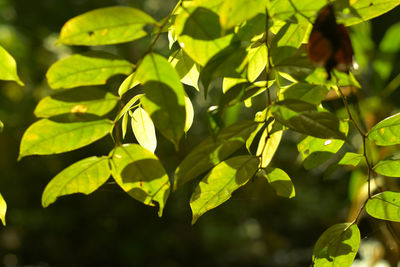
129	83
139	173
189	114
386	132
385	206
91	68
8	67
234	12
110	25
268	144
186	68
337	246
280	182
84	176
143	128
47	136
351	159
3	210
218	185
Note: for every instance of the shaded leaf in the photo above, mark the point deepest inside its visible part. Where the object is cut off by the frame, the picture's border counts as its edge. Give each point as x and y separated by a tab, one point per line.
46	136
84	176
351	159
337	246
305	118
280	182
144	130
212	151
91	68
386	132
78	100
3	210
233	13
186	68
140	173
385	206
110	25
218	185
164	98
310	93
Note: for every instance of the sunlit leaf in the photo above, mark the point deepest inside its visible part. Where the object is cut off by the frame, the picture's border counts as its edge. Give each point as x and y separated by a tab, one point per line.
164	98
189	114
8	67
140	173
110	25
385	206
84	176
47	136
124	124
315	151
144	130
269	142
91	68
212	151
280	182
310	93
78	100
186	68
1	126
389	166
337	246
257	60
291	35
235	12
129	83
305	118
351	159
386	132
218	185
3	210
128	106
199	33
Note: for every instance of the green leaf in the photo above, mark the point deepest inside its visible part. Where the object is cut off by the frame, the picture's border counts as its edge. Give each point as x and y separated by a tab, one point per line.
189	114
389	166
257	60
310	93
280	182
1	126
315	151
8	67
391	40
88	100
103	26
46	136
337	246
386	132
91	68
144	130
268	144
128	106
219	184
212	151
351	159
305	118
129	83
186	68
164	98
199	33
235	12
84	176
253	135
385	206
140	173
229	62
291	35
124	124
3	210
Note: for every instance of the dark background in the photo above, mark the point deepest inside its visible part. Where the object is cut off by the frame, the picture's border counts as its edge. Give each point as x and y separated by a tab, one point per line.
108	228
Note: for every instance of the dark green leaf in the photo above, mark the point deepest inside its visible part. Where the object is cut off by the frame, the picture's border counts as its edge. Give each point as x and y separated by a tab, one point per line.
310	93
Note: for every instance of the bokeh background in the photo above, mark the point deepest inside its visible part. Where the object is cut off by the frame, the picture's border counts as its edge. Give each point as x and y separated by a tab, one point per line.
108	228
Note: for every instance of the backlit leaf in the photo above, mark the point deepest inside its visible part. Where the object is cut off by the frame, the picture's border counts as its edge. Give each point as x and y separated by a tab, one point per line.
129	83
46	136
128	106
164	98
186	68
189	114
78	100
144	130
351	159
110	25
280	182
385	206
140	173
3	210
91	68
269	142
386	132
257	60
310	93
84	176
337	246
389	166
235	12
8	67
212	151
219	184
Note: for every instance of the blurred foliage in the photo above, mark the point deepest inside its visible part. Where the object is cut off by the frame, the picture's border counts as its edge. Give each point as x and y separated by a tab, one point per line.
108	228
